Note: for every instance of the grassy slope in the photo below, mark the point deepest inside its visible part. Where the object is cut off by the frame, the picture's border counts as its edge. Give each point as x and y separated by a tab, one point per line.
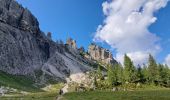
129	95
18	82
50	94
23	83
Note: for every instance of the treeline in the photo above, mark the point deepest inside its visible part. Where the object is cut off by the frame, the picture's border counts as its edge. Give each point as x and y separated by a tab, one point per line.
118	75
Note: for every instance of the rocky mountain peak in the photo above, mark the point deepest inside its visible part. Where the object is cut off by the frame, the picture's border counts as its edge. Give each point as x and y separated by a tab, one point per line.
100	54
15	15
25	50
72	43
23	47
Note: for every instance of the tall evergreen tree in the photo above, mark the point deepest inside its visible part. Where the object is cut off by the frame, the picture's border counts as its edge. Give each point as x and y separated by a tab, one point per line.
140	75
168	75
110	76
163	74
153	69
145	73
129	70
118	74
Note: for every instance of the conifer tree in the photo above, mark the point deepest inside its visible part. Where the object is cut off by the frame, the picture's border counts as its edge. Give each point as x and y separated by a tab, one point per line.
145	73
129	70
110	76
117	74
153	70
140	75
120	73
163	74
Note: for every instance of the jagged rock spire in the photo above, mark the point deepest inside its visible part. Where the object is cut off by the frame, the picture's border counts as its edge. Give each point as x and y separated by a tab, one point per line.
71	43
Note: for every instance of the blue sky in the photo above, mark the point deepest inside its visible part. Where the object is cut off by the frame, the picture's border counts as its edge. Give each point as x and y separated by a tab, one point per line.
79	19
75	18
162	29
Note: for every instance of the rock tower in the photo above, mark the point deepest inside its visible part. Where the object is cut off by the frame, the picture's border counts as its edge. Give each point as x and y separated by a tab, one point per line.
100	54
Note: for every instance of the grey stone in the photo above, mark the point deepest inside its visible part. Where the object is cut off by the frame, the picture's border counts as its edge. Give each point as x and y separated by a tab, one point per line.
100	54
15	15
24	49
72	43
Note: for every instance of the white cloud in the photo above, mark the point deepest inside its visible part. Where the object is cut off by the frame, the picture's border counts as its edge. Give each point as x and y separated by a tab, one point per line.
167	60
136	57
125	27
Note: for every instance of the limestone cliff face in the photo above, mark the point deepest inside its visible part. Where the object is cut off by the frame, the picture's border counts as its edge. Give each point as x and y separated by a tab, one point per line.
100	54
23	47
15	15
26	50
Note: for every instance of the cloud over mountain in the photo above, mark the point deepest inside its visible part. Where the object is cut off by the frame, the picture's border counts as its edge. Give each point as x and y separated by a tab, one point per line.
125	28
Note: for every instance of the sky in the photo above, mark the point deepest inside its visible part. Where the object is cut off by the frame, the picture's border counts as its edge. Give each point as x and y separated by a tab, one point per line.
135	27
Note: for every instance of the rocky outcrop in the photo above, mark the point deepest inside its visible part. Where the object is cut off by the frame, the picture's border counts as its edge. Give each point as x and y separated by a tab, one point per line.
20	51
49	35
72	43
100	54
25	50
15	15
23	47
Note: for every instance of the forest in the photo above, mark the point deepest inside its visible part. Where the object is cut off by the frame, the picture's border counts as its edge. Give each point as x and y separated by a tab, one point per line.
130	76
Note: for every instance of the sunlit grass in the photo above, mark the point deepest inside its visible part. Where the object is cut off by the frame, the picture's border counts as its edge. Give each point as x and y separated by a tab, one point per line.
121	95
50	93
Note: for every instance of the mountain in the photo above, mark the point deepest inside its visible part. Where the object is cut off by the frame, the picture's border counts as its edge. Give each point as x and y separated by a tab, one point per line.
26	50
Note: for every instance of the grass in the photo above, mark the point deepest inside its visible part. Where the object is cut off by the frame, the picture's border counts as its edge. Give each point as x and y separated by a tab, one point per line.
148	92
26	84
162	94
32	96
18	82
49	93
121	95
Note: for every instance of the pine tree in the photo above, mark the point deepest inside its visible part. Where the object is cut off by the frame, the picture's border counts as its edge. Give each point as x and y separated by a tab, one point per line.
129	70
153	70
163	74
110	76
120	74
145	73
140	75
168	75
117	74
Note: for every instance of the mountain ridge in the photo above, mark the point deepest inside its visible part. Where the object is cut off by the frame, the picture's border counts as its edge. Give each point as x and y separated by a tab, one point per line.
26	50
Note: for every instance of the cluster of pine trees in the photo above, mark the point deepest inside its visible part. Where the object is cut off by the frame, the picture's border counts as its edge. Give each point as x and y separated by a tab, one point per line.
152	73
